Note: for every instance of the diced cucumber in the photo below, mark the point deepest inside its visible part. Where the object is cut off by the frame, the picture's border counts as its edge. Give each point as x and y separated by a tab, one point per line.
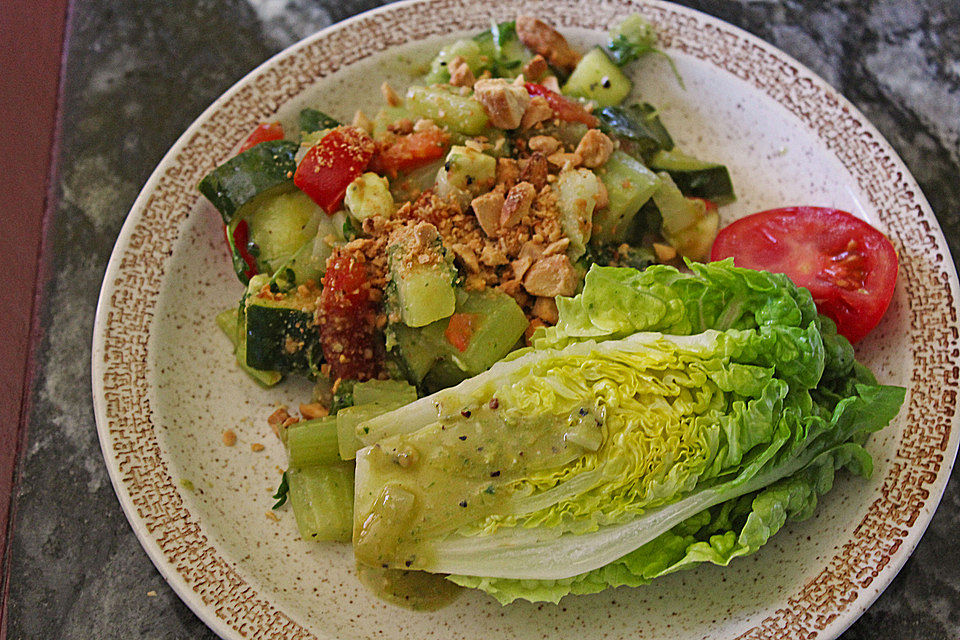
696	178
349	419
229	323
263	168
368	196
322	500
450	110
278	225
504	54
421	276
577	193
629	184
384	391
632	38
466	173
497	323
313	442
469	50
387	116
313	120
597	78
687	224
638	127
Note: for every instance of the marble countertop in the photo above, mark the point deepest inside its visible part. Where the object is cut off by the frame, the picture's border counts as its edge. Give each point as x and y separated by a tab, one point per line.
78	571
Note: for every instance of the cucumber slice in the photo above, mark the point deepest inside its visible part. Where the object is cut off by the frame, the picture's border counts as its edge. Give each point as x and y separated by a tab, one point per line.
598	79
629	185
696	178
688	225
281	334
469	50
449	110
258	170
279	224
421	277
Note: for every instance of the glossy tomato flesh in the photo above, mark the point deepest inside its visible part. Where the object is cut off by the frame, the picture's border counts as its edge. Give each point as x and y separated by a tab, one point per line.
849	267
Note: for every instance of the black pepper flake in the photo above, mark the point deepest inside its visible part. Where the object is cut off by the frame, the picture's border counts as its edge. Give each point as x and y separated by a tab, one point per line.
494	403
583	412
605	82
463	437
408	563
465	413
463	503
494	474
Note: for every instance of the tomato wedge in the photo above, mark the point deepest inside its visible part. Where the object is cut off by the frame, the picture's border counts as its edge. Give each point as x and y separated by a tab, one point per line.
332	164
410	151
263	133
564	108
349	338
848	266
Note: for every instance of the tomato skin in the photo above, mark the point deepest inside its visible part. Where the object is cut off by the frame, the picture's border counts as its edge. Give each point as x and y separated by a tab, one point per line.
410	151
564	108
460	329
237	246
848	266
263	133
350	341
332	164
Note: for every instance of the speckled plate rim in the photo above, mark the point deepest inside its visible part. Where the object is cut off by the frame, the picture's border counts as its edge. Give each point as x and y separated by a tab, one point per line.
825	606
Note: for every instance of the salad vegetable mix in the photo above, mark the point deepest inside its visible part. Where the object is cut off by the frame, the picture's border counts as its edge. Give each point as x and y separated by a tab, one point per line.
526	381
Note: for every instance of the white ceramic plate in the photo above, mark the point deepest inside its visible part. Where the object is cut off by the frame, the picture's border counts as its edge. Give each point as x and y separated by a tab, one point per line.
165	386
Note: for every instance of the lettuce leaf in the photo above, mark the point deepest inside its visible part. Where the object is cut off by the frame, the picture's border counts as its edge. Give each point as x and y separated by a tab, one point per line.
667	419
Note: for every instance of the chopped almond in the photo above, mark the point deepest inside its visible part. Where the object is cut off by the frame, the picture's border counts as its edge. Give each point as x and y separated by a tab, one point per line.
517	204
551	276
313	411
534	170
594	148
665	253
460	73
229	437
503	102
544	144
543	39
535	324
508	172
488	208
361	121
536	68
536	112
389	95
467	256
278	416
256	447
546	310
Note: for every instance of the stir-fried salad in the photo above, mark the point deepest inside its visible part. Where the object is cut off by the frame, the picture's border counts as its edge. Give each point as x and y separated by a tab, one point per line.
506	236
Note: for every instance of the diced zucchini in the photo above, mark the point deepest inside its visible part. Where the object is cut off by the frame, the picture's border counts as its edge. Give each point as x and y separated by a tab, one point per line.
638	127
368	196
696	178
417	349
688	225
501	50
466	173
629	184
387	116
421	276
596	78
281	334
577	193
313	442
278	225
349	420
449	110
265	167
229	323
322	501
310	261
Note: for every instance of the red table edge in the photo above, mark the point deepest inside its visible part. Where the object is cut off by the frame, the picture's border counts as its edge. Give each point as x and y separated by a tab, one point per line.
32	37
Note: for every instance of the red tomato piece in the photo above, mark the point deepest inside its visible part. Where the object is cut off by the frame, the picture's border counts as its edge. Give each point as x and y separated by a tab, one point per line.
332	164
848	266
460	329
564	108
263	133
351	343
410	151
238	244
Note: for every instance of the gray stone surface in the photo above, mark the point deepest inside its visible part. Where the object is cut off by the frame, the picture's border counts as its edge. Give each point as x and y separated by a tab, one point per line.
139	73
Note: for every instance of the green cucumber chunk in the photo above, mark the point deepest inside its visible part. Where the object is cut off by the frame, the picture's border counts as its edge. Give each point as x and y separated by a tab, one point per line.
280	334
278	225
687	224
629	185
449	110
469	50
598	79
384	391
322	500
638	127
313	442
696	178
258	170
421	277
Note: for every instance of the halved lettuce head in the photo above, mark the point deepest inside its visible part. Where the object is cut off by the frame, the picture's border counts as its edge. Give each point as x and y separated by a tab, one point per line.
668	419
